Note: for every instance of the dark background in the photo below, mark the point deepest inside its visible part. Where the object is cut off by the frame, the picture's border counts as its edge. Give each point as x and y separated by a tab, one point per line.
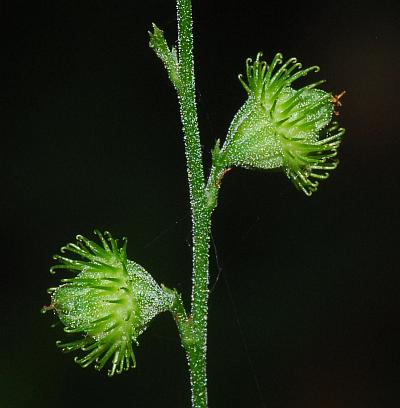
306	310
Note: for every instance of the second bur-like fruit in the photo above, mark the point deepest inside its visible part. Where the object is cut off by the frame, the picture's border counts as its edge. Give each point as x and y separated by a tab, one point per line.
280	127
107	305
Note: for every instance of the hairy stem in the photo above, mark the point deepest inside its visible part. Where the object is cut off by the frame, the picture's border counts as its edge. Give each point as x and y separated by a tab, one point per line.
196	347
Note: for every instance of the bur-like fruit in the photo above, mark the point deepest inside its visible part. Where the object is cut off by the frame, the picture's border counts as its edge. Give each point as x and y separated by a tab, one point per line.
107	305
282	127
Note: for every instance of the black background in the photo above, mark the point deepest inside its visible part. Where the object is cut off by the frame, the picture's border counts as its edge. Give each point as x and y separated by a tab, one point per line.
306	310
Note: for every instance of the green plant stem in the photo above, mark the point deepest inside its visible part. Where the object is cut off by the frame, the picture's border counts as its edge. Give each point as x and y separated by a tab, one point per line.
196	344
203	199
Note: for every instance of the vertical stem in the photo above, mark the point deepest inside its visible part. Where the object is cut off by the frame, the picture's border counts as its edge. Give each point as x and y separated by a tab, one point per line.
196	348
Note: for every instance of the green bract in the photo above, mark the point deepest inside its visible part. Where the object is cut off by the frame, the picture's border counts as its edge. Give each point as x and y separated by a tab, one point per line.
280	127
108	304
